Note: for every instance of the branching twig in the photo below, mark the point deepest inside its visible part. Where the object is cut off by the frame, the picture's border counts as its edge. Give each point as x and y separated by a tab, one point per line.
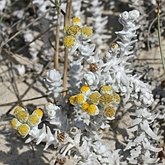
20	31
30	86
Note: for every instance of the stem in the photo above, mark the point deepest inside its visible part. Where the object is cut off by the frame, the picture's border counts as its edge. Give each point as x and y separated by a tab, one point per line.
56	55
66	23
159	34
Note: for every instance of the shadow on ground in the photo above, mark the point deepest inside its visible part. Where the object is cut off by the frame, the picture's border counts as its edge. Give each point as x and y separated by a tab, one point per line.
14	151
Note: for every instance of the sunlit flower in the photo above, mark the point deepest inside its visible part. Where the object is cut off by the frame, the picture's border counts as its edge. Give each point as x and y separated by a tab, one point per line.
85	106
23	130
18	109
116	98
92	110
85	89
80	98
86	31
76	21
33	120
73	30
15	123
72	100
110	111
22	116
106	99
106	89
69	41
95	97
38	112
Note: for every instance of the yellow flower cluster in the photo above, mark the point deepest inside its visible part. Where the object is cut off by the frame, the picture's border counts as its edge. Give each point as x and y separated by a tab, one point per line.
23	121
93	102
76	31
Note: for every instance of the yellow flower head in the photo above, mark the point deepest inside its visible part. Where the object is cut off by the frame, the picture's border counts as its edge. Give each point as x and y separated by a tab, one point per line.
76	21
18	109
92	110
106	89
95	97
110	111
106	99
72	100
69	41
116	98
33	120
86	31
66	28
38	112
22	116
80	98
85	89
85	106
73	30
15	123
23	130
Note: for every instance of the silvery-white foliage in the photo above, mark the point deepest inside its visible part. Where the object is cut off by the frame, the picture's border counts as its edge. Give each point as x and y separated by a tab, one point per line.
55	115
145	138
117	75
117	69
50	110
42	135
3	4
144	89
20	69
101	154
35	46
19	13
77	8
42	5
75	74
127	35
92	79
81	119
53	82
148	160
45	135
105	155
47	54
86	49
99	22
92	160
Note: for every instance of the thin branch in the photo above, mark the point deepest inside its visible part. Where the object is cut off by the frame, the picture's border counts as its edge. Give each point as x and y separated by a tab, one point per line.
24	100
66	23
159	34
14	84
56	55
